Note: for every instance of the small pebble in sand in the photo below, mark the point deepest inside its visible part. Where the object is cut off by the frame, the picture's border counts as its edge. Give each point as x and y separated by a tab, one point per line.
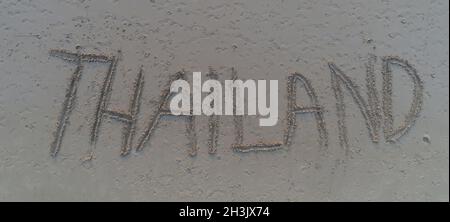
426	138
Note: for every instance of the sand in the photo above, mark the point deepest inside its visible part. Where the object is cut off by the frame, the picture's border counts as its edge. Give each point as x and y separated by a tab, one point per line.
223	158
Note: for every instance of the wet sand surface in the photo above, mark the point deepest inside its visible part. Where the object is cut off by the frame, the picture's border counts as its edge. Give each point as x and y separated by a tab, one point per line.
371	75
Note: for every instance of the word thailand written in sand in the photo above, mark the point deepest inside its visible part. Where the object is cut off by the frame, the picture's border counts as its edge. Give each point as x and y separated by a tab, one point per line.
377	113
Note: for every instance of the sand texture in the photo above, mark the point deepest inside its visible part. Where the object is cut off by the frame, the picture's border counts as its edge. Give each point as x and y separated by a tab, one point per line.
363	100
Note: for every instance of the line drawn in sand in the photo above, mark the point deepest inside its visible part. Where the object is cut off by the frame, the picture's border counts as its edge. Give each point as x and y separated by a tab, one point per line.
294	109
369	109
